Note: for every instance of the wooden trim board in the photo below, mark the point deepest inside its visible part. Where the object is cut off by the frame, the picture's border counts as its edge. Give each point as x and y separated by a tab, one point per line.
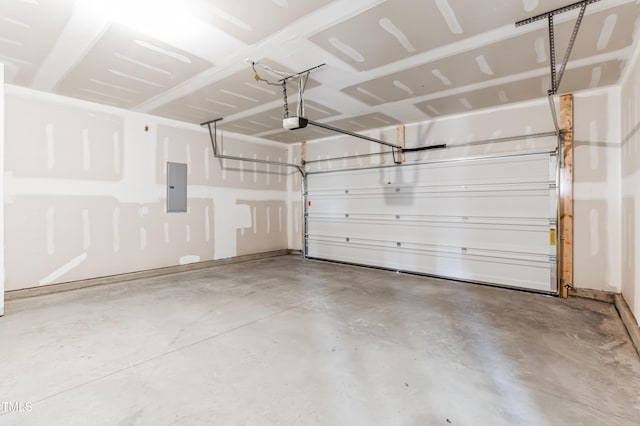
628	319
616	299
74	285
599	295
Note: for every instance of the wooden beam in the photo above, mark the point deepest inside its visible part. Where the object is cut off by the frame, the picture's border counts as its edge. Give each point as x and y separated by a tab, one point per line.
566	195
400	141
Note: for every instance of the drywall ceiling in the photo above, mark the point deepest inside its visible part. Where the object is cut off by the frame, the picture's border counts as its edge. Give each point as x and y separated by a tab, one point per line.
387	62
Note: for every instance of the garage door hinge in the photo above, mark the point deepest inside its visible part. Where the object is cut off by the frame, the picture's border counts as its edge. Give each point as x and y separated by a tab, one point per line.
552	186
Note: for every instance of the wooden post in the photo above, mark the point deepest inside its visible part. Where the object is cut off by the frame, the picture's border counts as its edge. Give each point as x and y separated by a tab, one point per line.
566	195
400	141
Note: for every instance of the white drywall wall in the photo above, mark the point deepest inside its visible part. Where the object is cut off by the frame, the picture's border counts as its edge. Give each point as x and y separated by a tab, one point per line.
597	190
85	192
2	274
630	158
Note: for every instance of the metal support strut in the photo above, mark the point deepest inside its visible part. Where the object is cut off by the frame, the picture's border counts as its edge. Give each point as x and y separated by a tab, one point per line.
213	134
556	76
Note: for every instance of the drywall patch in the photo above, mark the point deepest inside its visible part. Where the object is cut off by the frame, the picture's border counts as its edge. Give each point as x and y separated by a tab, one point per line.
530	5
265	231
242	216
449	16
608	26
185	260
254	218
268	220
346	49
433	110
438	74
371	95
73	263
390	27
484	66
540	48
64	141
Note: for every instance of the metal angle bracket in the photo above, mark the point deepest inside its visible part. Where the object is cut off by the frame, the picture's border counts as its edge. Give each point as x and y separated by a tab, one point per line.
556	75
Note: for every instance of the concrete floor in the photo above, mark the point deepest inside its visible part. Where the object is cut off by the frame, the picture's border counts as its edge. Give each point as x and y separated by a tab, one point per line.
291	342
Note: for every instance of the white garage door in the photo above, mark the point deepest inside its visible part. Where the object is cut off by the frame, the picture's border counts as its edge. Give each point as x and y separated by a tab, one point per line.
486	220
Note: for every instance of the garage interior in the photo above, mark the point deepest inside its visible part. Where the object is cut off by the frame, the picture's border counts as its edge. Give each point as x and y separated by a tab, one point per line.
320	212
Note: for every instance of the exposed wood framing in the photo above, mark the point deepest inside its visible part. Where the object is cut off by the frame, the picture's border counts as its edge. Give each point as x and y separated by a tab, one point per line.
566	195
400	141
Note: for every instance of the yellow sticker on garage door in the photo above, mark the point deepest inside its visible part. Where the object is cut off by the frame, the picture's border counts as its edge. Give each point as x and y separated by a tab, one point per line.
552	236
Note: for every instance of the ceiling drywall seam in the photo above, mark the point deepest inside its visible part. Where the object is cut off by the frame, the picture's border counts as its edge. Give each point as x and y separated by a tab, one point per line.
408	103
633	58
541	102
82	32
481	40
152	119
301	29
540	72
360	76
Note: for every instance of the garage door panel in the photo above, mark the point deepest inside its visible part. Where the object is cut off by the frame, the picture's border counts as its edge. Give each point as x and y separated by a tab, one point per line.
532	274
518	170
483	220
505	238
526	205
